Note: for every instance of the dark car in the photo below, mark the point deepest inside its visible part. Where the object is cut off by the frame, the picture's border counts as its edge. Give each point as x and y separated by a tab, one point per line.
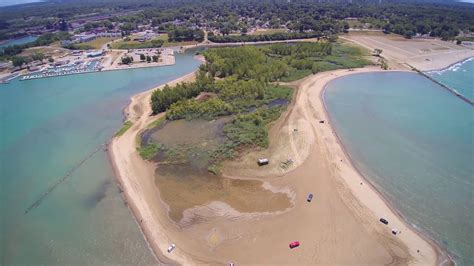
382	220
310	197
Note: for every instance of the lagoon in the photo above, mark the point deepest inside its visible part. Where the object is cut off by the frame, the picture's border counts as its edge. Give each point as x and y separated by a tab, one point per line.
414	141
48	127
23	40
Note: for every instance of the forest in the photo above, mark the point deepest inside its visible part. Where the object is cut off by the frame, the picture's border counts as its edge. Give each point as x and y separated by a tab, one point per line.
443	19
243	82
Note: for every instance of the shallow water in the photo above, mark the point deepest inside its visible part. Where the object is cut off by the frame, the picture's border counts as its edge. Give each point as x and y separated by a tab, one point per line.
459	77
48	126
183	178
414	140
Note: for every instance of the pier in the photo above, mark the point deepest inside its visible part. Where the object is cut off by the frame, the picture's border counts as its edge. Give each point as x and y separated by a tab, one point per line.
453	91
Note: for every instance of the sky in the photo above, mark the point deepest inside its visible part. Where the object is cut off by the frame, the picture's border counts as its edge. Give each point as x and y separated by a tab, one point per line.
16	2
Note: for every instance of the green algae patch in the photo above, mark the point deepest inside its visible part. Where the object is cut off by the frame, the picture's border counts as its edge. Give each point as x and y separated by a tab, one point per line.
125	127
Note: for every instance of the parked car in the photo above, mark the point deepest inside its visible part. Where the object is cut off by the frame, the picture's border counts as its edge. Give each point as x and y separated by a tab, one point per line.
171	248
263	161
382	220
310	197
294	244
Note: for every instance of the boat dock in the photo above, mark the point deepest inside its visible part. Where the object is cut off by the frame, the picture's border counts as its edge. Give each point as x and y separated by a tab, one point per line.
71	69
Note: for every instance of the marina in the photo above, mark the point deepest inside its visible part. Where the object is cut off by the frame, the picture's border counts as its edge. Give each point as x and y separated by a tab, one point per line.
79	67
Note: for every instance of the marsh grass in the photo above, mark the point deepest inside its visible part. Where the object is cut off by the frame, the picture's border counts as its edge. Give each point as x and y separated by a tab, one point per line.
125	127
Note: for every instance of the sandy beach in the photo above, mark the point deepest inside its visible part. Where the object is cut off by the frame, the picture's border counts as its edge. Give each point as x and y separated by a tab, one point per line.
135	175
340	226
422	54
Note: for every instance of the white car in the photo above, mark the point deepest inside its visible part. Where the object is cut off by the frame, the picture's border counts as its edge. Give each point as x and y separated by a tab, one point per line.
171	248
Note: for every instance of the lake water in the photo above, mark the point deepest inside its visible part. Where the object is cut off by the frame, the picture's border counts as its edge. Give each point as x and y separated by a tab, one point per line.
458	77
415	142
23	40
48	126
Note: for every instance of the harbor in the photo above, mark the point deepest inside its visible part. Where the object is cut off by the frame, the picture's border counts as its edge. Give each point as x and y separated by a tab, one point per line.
79	67
97	61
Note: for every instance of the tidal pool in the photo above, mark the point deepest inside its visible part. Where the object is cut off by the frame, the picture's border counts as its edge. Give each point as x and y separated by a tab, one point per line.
182	175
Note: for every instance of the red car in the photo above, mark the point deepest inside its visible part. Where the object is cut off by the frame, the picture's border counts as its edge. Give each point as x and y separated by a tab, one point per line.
294	244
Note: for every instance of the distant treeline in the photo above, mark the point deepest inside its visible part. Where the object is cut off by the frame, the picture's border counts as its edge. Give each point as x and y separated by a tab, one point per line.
180	34
264	37
436	18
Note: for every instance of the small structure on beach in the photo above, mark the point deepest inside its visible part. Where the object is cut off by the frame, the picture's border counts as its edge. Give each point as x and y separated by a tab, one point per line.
263	161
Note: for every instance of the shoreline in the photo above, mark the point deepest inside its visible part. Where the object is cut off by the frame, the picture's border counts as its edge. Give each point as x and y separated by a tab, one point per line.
443	256
450	65
151	232
142	214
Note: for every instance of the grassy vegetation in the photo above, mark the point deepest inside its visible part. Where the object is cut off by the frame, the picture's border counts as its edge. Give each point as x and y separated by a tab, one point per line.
129	44
149	151
125	127
465	39
239	80
296	74
342	56
268	31
95	44
167	43
159	41
156	123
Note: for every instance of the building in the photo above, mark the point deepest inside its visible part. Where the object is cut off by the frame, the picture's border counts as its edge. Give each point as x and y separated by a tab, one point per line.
33	68
110	34
84	38
95	54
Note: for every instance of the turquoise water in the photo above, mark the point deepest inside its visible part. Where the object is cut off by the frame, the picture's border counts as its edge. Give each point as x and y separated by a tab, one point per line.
414	140
47	127
18	41
458	77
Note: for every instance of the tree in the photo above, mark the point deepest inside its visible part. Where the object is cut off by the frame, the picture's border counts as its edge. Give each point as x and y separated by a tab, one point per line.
409	34
377	52
51	60
127	60
142	57
155	58
63	25
157	43
38	56
18	61
148	59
